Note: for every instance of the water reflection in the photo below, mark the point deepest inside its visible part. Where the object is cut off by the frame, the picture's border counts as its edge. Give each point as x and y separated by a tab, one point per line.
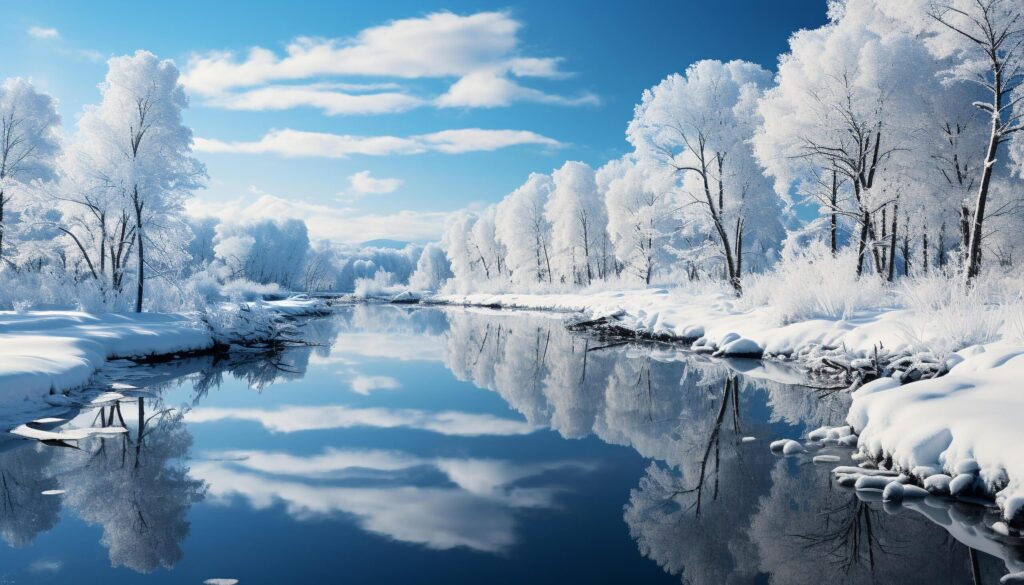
420	468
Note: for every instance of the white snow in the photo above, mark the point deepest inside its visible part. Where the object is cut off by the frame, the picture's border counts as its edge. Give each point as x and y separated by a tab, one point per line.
966	424
717	317
45	353
44	350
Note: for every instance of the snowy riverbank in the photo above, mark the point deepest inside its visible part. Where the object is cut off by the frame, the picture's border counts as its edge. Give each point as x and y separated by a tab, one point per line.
932	426
44	352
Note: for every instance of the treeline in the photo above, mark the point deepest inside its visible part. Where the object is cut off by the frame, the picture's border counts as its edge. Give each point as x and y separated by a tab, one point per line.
892	133
97	218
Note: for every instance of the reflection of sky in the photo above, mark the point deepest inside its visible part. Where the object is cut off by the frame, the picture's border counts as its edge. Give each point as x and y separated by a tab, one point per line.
474	508
385	461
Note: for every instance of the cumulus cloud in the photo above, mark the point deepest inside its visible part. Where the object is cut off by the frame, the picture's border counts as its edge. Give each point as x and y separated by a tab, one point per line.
362	183
40	32
338	224
295	143
482	51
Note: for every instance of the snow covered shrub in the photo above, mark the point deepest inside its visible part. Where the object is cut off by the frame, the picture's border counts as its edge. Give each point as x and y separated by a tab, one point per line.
381	285
241	289
946	315
241	323
811	283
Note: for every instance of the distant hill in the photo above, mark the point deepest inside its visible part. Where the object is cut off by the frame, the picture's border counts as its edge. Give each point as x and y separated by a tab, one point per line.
384	243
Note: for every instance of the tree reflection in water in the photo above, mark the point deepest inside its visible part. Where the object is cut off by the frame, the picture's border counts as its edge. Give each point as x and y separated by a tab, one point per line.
135	486
710	508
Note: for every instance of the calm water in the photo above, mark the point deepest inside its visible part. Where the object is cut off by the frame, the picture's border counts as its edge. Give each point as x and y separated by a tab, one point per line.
425	445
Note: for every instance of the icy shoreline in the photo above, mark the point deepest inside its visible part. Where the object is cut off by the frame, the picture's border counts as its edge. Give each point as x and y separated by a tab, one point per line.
53	352
922	428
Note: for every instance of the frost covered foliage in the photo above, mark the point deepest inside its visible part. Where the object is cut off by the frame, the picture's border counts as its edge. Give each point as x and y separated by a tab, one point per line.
354	264
948	316
432	269
29	144
263	252
699	125
811	283
382	285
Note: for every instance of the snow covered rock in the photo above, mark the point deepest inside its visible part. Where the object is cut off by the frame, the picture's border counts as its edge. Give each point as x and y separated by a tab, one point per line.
893	492
742	347
938	484
793	448
872	482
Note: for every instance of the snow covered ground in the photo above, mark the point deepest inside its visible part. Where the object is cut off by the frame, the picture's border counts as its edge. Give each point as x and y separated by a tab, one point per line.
928	427
44	351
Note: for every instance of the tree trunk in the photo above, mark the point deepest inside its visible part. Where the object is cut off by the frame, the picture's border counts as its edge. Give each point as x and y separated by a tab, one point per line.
924	251
865	222
892	241
833	217
973	267
140	286
2	202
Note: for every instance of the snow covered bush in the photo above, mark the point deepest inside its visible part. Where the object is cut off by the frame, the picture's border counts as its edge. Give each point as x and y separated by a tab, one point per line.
811	283
381	285
946	315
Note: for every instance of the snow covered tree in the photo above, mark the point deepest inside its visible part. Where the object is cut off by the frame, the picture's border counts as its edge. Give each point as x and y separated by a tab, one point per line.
579	221
485	245
986	39
457	245
524	230
264	252
29	143
642	214
140	151
699	125
843	125
432	269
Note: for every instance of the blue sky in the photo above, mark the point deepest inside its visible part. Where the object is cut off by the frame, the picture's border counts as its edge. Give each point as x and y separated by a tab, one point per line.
561	77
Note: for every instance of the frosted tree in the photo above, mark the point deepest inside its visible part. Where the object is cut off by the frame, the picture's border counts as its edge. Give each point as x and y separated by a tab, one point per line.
265	252
485	246
843	123
457	244
524	230
579	240
432	269
699	125
141	152
642	214
986	39
29	143
320	267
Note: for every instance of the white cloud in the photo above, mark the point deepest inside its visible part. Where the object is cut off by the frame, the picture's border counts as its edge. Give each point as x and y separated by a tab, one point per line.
481	50
338	224
441	44
366	384
289	419
486	89
362	183
294	143
40	32
326	97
